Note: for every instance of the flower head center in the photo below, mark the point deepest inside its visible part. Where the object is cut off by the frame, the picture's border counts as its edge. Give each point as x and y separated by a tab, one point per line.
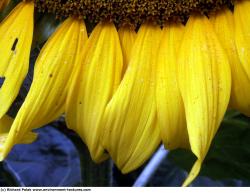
131	11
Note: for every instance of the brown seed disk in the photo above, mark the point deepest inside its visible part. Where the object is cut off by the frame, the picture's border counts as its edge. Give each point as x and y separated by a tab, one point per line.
132	12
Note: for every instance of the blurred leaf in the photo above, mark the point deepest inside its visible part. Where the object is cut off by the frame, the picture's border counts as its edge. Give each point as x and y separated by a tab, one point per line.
7	177
45	25
50	161
8	9
231	114
229	155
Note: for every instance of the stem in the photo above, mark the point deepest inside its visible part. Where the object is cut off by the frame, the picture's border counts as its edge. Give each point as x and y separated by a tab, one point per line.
93	175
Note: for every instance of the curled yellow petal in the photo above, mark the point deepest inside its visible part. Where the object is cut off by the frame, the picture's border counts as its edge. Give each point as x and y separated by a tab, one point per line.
170	108
46	98
205	80
3	3
16	33
241	70
94	83
5	125
130	131
127	38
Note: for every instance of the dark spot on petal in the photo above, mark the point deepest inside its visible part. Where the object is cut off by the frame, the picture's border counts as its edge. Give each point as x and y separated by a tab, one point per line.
14	44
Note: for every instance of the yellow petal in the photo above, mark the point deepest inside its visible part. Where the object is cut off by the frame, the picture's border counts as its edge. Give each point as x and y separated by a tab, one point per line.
3	4
16	33
242	70
5	124
170	108
46	98
205	80
127	39
131	134
93	86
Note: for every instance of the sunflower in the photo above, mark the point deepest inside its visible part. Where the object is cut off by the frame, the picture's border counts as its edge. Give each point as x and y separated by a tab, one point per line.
149	72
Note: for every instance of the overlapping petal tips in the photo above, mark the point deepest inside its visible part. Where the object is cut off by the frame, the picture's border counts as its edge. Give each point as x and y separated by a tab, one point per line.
94	84
205	80
127	38
242	40
170	108
224	27
130	130
3	4
46	98
16	33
